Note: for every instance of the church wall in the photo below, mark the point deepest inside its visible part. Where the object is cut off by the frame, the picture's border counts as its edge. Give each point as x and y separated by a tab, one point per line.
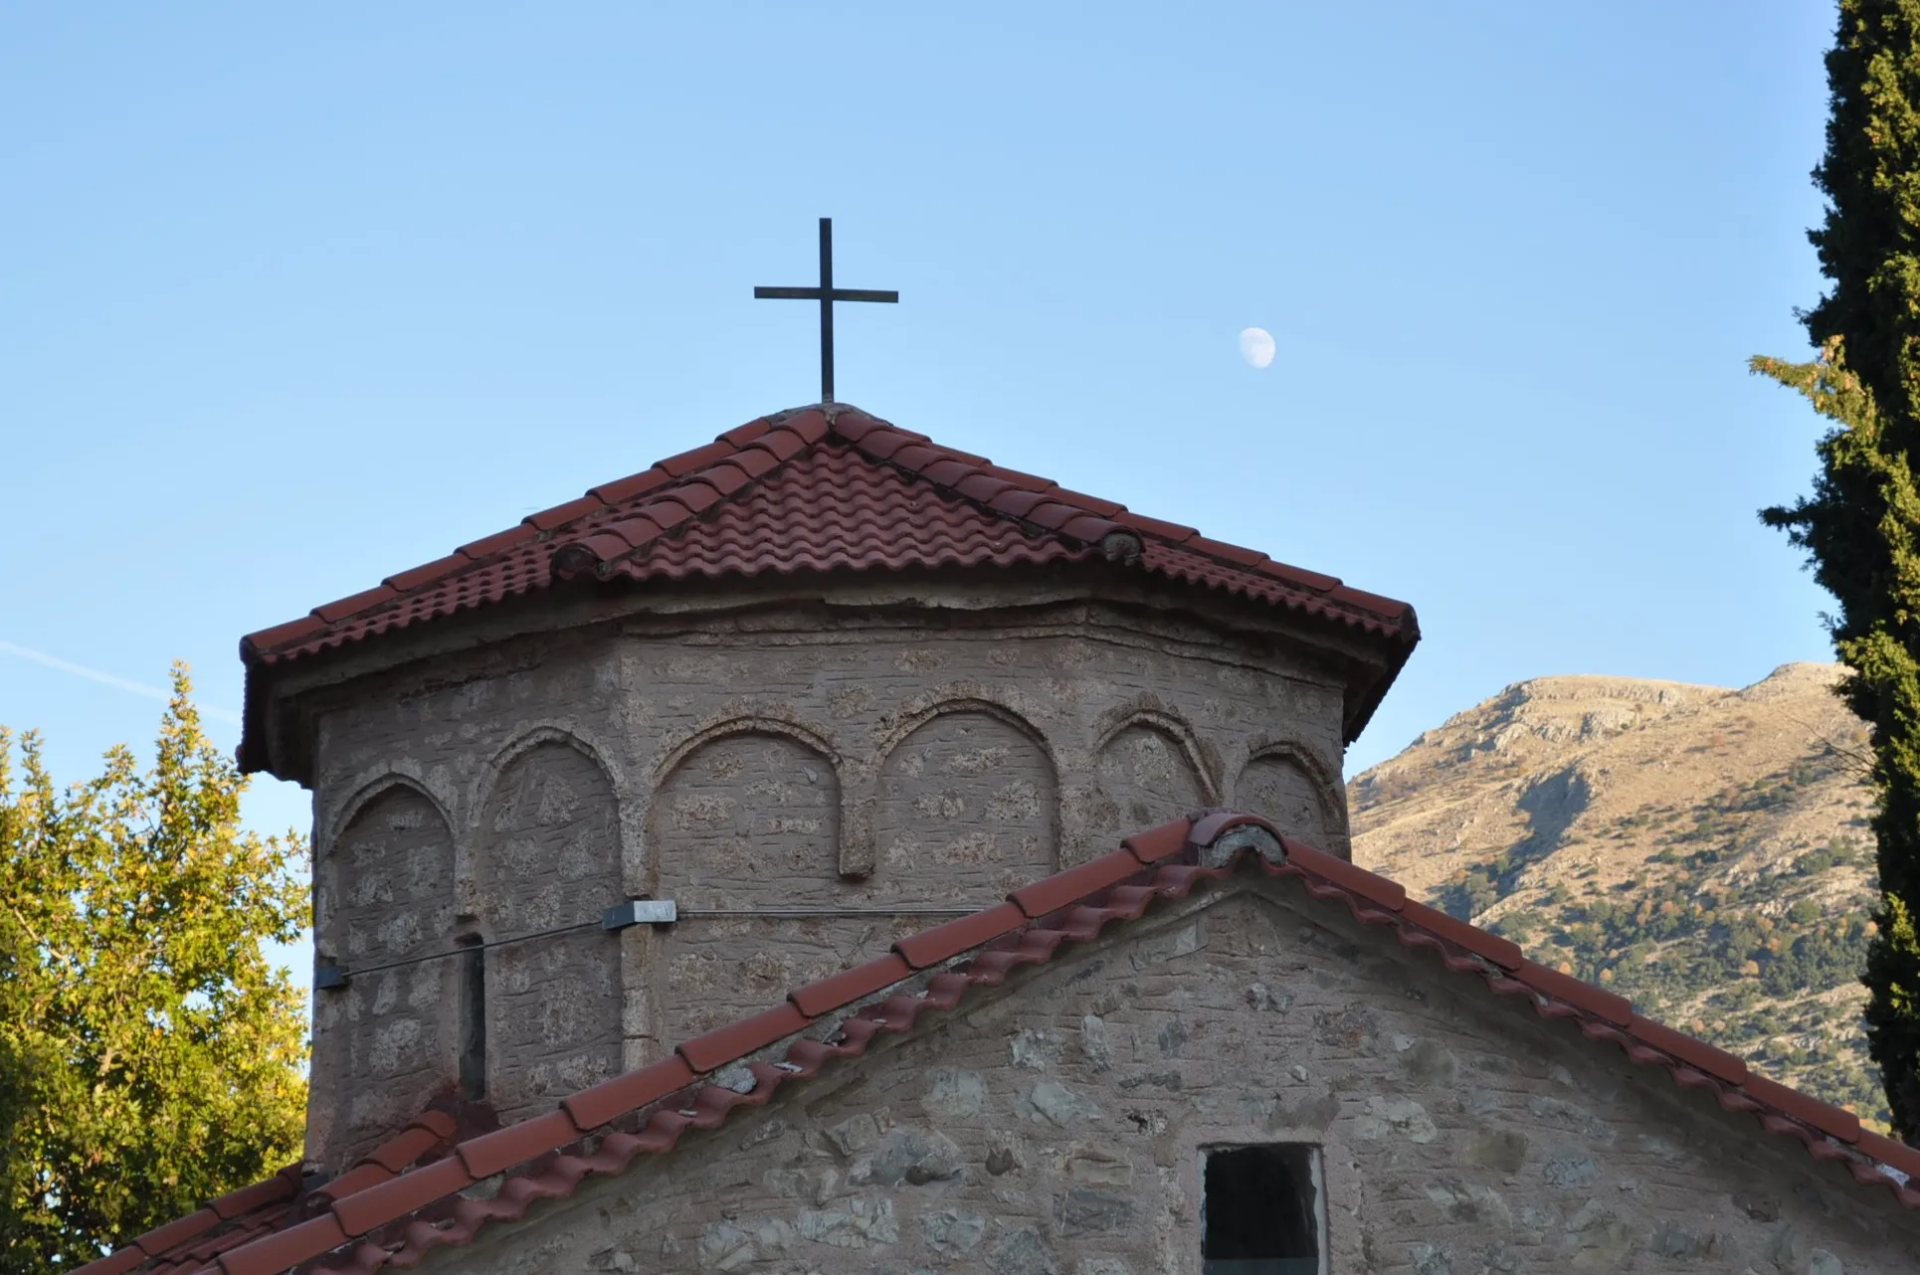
1058	1127
386	1044
548	859
864	778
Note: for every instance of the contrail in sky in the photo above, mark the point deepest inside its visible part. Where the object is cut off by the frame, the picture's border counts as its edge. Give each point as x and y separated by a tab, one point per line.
108	679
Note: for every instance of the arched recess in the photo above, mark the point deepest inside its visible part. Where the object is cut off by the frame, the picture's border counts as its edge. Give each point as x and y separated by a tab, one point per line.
1289	785
386	1043
744	822
747	813
547	857
1148	768
966	805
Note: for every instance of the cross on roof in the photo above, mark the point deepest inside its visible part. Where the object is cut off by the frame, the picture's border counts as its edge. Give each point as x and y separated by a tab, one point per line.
826	294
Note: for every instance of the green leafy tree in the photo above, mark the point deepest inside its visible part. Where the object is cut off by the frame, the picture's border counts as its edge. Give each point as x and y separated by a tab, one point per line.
150	1055
1861	525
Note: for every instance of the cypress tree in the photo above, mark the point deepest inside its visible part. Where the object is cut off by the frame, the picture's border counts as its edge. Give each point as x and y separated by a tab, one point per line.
1861	525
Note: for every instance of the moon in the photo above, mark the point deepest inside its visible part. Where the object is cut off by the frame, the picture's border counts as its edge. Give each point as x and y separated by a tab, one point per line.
1256	346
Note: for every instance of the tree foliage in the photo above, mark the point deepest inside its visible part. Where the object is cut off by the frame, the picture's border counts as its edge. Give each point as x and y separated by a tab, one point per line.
150	1055
1861	525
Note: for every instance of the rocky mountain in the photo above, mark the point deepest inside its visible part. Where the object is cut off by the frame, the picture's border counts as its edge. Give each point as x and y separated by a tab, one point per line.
1702	850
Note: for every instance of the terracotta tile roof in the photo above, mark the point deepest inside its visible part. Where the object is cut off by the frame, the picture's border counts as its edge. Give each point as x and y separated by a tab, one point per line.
816	489
383	1218
272	1206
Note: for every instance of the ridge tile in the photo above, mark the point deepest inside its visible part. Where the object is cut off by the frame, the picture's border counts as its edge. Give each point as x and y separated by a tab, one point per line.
717	1048
495	1152
274	1253
378	1205
1163	842
1697	1053
1050	894
559	515
1597	1001
943	942
610	1099
838	990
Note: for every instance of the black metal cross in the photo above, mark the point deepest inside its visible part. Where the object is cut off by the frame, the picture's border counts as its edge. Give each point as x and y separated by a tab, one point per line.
826	294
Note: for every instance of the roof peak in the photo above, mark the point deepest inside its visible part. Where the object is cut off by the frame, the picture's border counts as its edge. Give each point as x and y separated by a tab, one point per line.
648	525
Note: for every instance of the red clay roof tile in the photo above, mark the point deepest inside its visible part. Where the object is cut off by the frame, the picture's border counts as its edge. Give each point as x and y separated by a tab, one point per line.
1027	482
915	456
1153	526
782	444
829	994
942	942
1092	504
591	1108
280	1186
622	490
1597	1001
426	573
1368	885
1220	549
1050	894
156	1242
397	1152
1160	843
115	1263
725	478
1053	514
1694	1052
378	1205
548	519
982	487
811	426
332	611
946	472
1089	528
735	1041
1896	1155
358	1178
1019	503
699	458
498	542
1502	952
882	444
697	494
273	1254
1826	1117
492	1153
293	631
1314	580
741	435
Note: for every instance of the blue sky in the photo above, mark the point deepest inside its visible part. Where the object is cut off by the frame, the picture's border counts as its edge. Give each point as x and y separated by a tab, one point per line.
295	300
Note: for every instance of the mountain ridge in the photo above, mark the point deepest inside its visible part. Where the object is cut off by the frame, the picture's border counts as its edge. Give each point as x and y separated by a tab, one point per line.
1703	849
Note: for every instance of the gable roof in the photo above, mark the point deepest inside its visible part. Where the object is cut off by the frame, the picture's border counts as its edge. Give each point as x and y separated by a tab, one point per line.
383	1213
818	489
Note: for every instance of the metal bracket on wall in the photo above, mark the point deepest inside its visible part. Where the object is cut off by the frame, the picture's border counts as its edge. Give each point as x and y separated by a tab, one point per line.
639	912
327	978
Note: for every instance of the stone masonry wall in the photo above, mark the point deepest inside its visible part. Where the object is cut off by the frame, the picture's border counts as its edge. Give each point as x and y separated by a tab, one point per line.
1058	1126
803	786
387	1043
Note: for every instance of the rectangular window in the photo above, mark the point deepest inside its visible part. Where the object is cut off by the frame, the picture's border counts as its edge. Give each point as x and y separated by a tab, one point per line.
1261	1211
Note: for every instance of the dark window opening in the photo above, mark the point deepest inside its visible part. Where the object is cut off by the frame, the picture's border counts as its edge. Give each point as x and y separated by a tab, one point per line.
1260	1212
473	1018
